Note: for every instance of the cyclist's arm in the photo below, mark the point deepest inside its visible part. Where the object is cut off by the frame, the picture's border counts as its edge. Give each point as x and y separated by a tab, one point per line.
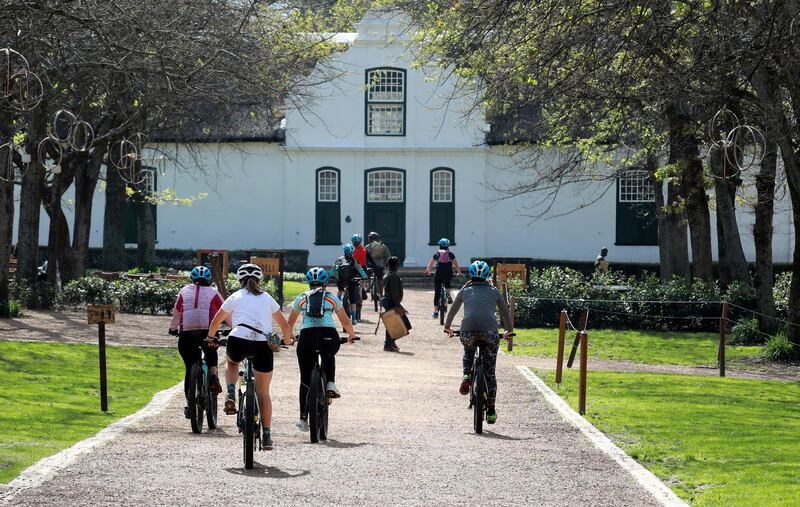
505	314
219	318
361	271
213	308
346	323
177	313
293	316
430	266
371	261
451	314
456	266
286	331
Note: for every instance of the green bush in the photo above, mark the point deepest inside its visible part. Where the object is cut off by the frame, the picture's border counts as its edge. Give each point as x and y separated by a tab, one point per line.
294	277
88	290
781	292
780	349
746	332
14	309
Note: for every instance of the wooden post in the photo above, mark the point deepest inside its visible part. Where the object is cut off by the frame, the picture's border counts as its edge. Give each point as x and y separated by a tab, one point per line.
584	337
723	322
581	327
512	309
280	280
101	327
562	334
218	273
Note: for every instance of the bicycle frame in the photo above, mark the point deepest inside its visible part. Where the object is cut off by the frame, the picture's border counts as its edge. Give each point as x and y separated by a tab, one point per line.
248	375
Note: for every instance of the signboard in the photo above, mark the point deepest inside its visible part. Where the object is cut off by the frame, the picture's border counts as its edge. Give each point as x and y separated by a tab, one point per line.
504	272
100	314
201	254
270	266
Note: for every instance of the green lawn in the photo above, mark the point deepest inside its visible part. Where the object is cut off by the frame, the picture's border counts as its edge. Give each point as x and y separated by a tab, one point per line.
292	289
653	347
714	441
50	395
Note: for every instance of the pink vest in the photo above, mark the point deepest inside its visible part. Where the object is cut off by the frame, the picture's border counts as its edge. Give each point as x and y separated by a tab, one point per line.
197	307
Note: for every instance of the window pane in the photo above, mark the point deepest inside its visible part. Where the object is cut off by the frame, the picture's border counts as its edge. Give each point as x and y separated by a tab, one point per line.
386	85
635	186
442	186
385	186
385	119
328	186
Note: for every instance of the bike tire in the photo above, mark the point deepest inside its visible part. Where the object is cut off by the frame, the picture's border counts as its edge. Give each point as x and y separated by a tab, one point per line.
375	296
195	400
323	429
479	399
316	404
249	424
442	306
211	409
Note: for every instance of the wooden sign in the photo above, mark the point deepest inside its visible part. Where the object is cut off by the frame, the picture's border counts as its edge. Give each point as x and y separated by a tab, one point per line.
205	253
504	272
100	314
270	266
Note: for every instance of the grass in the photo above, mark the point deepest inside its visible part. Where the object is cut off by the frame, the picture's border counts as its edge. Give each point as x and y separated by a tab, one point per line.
293	289
714	441
652	347
50	395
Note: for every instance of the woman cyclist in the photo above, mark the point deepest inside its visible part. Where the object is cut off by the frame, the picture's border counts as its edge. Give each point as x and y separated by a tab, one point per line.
446	266
364	259
195	308
479	327
252	311
317	333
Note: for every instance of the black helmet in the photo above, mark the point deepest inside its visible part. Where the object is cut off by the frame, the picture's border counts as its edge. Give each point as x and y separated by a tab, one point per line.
372	236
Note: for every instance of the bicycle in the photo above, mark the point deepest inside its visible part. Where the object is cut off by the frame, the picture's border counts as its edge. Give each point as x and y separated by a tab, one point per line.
200	398
318	400
444	300
374	289
478	390
346	298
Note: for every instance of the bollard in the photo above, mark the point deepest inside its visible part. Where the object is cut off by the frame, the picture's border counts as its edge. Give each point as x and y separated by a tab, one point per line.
562	333
581	328
723	322
512	307
101	327
582	384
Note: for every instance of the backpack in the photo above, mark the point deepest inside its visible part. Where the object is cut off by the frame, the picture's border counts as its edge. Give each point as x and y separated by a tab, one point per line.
346	269
378	250
444	256
315	303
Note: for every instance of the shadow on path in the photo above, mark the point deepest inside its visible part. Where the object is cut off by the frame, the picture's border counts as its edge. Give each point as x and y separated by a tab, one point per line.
497	436
268	472
344	445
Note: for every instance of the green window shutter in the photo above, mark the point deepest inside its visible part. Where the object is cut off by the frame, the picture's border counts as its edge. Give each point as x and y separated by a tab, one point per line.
328	222
637	223
442	205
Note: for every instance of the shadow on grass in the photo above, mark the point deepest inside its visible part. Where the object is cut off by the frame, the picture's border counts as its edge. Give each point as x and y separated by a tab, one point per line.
268	472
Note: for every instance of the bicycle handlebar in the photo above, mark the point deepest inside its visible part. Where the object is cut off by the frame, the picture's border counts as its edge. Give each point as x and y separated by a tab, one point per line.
504	336
343	339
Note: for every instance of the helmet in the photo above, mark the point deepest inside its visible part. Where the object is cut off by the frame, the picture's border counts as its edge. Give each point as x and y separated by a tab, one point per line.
316	276
373	236
348	249
200	273
444	243
247	271
356	239
479	269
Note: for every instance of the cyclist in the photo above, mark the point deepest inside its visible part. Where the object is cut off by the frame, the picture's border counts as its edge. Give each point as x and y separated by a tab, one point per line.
317	333
252	310
380	253
195	308
446	266
362	255
393	299
479	327
345	270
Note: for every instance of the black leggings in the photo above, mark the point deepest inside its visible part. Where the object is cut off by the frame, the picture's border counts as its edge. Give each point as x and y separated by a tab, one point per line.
489	344
313	340
442	277
189	344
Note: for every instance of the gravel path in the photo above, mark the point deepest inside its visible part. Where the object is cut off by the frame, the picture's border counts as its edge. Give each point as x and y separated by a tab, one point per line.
401	435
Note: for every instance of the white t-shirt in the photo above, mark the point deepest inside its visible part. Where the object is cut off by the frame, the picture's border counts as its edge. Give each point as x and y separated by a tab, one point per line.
255	311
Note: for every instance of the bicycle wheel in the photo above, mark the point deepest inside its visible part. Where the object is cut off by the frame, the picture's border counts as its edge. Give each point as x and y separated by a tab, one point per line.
249	423
317	407
195	401
442	305
479	399
375	294
211	407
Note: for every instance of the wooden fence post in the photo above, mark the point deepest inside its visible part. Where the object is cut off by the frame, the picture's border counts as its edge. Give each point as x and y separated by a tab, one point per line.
562	333
512	309
723	323
581	328
584	363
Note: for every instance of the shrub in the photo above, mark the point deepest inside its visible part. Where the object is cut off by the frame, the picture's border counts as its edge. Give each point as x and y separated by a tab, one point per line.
781	293
779	348
746	332
86	290
294	277
14	309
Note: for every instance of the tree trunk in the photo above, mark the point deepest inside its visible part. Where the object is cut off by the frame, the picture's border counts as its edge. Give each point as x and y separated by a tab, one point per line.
146	228
114	222
6	227
85	184
58	258
673	245
762	238
732	262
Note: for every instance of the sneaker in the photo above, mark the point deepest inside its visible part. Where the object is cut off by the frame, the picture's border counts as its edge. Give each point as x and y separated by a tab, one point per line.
332	390
435	315
466	382
449	299
391	348
266	440
302	424
230	406
354	319
214	385
491	414
363	294
186	412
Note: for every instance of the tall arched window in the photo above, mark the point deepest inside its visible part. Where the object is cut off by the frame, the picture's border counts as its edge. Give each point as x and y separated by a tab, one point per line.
385	102
442	205
328	207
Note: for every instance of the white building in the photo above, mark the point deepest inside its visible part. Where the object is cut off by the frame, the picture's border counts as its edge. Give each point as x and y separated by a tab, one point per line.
404	157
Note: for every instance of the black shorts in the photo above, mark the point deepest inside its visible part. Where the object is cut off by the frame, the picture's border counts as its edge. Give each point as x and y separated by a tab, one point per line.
239	348
353	290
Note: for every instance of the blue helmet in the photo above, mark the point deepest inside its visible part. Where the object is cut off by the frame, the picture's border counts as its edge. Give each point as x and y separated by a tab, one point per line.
444	243
200	273
348	249
317	276
479	269
356	239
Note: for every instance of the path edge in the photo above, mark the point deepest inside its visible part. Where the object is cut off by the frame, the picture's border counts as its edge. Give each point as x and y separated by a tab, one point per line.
47	467
643	476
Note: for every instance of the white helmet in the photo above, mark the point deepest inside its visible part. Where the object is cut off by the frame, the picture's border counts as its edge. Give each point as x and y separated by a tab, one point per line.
248	270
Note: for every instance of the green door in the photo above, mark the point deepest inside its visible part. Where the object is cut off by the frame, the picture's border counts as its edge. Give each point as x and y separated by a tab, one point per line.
149	185
442	206
385	207
637	223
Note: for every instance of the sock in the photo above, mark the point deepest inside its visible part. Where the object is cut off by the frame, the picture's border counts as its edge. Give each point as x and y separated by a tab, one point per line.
267	431
231	390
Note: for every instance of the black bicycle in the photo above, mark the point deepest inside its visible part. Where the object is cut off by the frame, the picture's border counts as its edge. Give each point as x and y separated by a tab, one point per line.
319	399
201	400
347	298
374	289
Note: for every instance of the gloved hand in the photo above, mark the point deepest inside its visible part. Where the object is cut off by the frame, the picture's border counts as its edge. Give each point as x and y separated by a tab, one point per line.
173	332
